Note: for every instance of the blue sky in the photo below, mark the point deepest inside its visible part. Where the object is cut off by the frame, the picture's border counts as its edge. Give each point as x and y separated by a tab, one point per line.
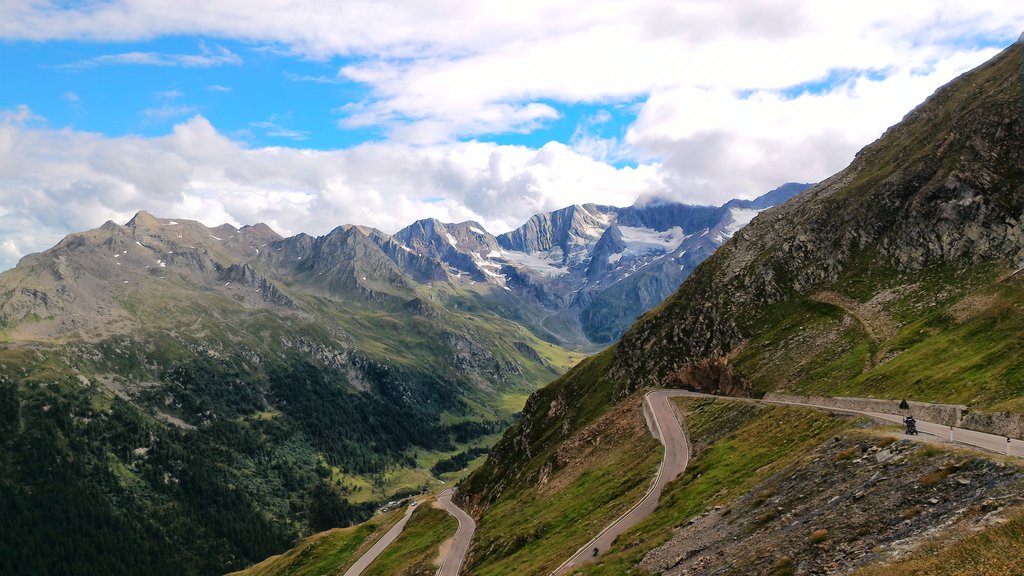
259	95
307	115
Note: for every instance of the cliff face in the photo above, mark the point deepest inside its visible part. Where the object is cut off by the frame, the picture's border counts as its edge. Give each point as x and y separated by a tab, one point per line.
943	187
570	229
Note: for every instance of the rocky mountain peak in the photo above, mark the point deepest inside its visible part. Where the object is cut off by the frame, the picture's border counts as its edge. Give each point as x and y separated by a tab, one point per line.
569	229
143	220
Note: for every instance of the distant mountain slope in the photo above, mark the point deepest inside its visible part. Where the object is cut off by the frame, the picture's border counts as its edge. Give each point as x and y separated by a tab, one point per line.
899	277
179	399
581	275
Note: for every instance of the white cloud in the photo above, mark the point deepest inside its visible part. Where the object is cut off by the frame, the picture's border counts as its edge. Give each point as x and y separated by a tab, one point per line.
715	144
314	79
711	80
168	112
444	70
63	180
277	131
218	88
207	58
168	94
22	114
9	250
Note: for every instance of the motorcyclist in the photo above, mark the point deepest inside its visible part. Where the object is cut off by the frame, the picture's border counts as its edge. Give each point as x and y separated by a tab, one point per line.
911	425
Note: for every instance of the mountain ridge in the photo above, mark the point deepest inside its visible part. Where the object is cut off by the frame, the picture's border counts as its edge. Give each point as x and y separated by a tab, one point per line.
922	234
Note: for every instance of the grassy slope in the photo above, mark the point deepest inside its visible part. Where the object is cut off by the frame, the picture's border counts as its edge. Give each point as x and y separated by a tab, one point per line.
741	444
958	339
414	552
601	472
329	552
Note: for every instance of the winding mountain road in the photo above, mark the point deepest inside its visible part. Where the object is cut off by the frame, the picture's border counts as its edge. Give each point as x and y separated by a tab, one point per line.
380	545
460	545
666	426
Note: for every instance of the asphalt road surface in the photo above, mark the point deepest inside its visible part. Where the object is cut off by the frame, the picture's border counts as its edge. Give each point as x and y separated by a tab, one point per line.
939	432
677	455
457	553
378	547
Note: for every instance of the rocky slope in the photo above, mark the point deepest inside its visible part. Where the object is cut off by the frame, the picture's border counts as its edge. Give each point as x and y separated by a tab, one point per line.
896	278
943	187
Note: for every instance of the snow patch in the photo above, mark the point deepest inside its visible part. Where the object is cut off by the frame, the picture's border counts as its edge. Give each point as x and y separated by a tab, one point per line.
494	254
646	240
538	262
739	217
214	237
477	231
172	223
451	239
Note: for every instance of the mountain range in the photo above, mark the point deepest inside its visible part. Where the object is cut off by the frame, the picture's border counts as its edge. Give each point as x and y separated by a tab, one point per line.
167	378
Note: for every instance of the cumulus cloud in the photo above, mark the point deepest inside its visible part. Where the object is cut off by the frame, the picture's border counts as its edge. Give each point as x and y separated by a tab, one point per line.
63	180
715	142
446	70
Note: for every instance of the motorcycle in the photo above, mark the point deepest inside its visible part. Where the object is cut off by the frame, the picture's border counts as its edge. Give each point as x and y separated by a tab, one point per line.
911	425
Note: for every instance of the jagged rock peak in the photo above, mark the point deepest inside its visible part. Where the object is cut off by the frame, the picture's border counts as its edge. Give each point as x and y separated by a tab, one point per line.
261	229
561	228
143	219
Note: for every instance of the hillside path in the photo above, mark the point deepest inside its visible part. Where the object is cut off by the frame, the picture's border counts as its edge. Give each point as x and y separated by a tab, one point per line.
364	562
460	545
878	326
667	429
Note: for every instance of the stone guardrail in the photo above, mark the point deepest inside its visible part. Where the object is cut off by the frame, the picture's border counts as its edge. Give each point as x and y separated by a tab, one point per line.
1009	424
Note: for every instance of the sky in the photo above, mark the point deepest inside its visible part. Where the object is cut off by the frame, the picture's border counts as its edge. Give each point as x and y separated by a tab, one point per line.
308	115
